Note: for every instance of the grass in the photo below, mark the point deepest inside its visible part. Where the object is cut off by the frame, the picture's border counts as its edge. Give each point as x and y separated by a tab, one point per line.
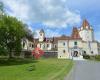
43	69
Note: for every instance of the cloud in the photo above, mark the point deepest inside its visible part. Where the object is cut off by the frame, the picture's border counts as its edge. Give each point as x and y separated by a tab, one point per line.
52	13
51	33
36	35
17	8
48	33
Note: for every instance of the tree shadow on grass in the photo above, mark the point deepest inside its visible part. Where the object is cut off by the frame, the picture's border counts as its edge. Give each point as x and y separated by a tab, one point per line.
9	62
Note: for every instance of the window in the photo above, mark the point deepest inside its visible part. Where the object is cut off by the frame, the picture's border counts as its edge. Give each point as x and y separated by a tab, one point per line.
64	51
40	34
23	44
47	45
75	43
32	45
64	44
40	45
55	46
44	46
83	52
91	52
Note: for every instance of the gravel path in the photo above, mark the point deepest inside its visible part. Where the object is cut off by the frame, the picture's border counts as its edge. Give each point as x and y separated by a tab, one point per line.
85	70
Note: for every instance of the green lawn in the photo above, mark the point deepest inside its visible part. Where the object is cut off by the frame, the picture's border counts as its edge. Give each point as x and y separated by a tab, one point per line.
43	69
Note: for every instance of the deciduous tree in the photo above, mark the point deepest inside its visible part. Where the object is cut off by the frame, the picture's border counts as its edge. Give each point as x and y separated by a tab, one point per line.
11	33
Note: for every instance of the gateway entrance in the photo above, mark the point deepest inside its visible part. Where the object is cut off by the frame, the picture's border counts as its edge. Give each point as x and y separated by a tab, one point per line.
75	54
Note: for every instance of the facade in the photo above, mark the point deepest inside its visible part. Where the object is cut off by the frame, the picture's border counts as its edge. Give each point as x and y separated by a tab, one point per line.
27	45
46	44
82	41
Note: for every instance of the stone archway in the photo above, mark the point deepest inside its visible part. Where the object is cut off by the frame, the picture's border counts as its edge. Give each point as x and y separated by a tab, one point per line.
75	54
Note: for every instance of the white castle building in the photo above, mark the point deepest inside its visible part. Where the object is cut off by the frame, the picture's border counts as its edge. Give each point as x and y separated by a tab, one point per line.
82	41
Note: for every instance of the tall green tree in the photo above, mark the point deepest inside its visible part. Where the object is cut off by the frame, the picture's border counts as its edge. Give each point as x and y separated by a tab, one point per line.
11	33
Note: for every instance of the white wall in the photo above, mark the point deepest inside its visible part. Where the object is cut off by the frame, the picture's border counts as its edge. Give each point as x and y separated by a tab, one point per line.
93	47
71	43
86	35
45	46
61	48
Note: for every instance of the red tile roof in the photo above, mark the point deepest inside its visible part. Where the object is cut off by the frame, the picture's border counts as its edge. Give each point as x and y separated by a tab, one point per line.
85	24
75	33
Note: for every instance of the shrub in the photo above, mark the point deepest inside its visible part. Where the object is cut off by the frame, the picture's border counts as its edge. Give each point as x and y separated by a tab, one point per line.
37	53
97	57
86	56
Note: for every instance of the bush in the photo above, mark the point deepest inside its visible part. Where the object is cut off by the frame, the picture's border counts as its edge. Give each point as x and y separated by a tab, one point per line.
86	56
97	57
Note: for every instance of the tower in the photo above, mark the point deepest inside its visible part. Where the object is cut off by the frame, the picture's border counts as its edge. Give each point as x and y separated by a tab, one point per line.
75	33
41	35
86	32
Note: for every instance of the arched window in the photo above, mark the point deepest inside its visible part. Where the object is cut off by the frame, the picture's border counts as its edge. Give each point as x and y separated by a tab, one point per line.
23	44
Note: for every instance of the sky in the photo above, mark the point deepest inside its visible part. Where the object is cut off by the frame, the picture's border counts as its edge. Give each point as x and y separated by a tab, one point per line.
56	17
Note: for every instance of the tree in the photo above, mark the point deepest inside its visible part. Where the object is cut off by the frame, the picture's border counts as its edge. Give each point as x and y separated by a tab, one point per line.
11	33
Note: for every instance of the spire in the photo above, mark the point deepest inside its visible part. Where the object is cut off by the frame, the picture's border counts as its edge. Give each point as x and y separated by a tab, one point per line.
85	24
75	33
41	31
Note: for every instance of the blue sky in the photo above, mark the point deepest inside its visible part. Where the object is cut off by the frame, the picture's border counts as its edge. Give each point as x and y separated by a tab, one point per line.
56	17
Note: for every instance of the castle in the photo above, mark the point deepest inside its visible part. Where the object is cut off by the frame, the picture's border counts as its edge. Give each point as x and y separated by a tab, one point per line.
80	42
